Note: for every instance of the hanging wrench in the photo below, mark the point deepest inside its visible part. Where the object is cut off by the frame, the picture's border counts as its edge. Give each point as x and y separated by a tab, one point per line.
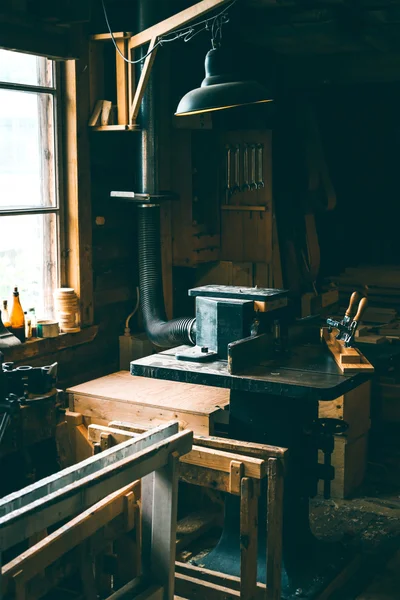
260	178
228	172
245	184
253	184
236	170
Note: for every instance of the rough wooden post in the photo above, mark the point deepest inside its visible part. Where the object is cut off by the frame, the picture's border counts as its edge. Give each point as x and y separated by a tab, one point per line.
274	533
165	507
248	538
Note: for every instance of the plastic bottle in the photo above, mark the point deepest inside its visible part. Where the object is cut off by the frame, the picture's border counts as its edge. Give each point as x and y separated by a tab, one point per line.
6	316
17	318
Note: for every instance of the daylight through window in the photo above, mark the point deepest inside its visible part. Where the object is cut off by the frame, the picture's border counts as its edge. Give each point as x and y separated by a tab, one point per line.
29	200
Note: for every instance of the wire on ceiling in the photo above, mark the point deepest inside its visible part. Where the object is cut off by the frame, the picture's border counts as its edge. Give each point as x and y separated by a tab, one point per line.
186	33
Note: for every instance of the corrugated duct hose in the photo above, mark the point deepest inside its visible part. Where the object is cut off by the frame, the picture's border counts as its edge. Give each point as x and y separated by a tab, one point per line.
160	331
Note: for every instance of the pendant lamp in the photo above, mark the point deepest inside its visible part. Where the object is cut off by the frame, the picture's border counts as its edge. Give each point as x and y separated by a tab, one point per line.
222	87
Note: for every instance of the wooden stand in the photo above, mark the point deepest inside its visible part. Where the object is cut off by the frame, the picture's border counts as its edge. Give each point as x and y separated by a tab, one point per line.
349	360
236	468
100	496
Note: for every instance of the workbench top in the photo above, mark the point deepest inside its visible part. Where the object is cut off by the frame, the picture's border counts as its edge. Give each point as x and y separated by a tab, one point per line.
309	372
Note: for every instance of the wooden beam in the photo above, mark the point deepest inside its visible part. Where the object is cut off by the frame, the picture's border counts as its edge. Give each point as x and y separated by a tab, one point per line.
248	537
61	541
20	524
52	484
179	20
275	521
142	83
79	272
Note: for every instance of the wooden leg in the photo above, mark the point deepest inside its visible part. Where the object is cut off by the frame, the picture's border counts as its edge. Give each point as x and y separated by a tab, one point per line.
165	506
87	575
274	538
248	538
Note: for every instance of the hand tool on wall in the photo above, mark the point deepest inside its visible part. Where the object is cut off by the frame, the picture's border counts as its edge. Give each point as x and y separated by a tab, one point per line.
245	184
260	177
236	169
228	173
348	325
253	184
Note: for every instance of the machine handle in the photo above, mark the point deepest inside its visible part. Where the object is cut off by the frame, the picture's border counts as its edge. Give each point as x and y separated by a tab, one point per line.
361	308
352	305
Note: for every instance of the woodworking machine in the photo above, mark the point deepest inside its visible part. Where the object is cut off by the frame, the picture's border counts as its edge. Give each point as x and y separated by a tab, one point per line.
242	344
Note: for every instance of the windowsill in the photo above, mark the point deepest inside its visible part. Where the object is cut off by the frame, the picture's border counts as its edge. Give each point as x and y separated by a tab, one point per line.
41	346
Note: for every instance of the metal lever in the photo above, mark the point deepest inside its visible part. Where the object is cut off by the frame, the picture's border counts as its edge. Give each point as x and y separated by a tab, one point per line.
347	326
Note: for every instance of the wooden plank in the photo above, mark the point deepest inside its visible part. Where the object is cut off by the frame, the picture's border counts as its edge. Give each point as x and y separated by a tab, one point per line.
122	83
79	223
353	408
275	520
105	410
30	519
179	20
124	387
196	589
221	461
336	349
53	483
143	79
248	539
235	476
118	36
215	577
204	477
67	537
262	451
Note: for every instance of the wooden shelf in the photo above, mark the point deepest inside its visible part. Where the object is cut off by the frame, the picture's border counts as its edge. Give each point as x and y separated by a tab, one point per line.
115	128
41	346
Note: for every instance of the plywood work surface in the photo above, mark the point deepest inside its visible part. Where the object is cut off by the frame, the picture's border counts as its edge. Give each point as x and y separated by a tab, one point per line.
183	397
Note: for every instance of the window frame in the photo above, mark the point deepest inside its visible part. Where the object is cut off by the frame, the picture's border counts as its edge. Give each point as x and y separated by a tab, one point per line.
59	208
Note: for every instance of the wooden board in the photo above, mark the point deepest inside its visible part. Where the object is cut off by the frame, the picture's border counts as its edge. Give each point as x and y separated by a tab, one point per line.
349	360
121	396
350	462
353	407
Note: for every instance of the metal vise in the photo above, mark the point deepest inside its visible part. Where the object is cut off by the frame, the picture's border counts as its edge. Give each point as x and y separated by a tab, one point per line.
348	325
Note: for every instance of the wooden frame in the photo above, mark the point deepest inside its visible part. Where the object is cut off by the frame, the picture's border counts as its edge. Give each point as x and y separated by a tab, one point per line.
237	468
127	43
82	488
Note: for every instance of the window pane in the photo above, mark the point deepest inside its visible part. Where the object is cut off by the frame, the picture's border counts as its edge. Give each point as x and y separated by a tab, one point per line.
28	259
26	150
27	69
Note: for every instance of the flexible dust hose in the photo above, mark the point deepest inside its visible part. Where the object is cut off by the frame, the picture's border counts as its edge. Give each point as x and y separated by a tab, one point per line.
161	332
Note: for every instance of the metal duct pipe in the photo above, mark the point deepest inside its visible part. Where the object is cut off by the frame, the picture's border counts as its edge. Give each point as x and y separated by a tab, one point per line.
161	332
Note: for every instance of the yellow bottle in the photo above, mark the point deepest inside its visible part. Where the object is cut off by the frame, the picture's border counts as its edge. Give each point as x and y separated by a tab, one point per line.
17	317
6	316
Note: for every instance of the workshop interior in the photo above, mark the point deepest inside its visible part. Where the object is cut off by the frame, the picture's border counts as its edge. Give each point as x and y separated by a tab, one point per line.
200	300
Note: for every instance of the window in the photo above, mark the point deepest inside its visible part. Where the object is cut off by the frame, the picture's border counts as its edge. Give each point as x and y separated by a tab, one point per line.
29	198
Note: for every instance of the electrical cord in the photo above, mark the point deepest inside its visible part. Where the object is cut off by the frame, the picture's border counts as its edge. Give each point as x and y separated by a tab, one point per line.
185	33
127	331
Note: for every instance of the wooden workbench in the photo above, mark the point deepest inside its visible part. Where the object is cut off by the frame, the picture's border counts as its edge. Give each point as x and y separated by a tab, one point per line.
150	402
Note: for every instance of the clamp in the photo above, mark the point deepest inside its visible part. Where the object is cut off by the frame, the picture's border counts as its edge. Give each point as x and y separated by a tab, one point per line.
348	325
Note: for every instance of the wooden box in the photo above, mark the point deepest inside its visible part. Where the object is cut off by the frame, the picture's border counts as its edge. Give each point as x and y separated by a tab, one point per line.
349	457
150	402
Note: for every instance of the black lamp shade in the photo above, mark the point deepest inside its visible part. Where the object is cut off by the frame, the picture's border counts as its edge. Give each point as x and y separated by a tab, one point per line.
222	88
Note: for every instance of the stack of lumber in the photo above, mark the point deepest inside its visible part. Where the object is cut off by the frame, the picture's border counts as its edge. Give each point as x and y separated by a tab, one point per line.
383	283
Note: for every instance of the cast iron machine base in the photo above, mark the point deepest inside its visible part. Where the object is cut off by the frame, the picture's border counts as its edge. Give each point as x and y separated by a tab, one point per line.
241	345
